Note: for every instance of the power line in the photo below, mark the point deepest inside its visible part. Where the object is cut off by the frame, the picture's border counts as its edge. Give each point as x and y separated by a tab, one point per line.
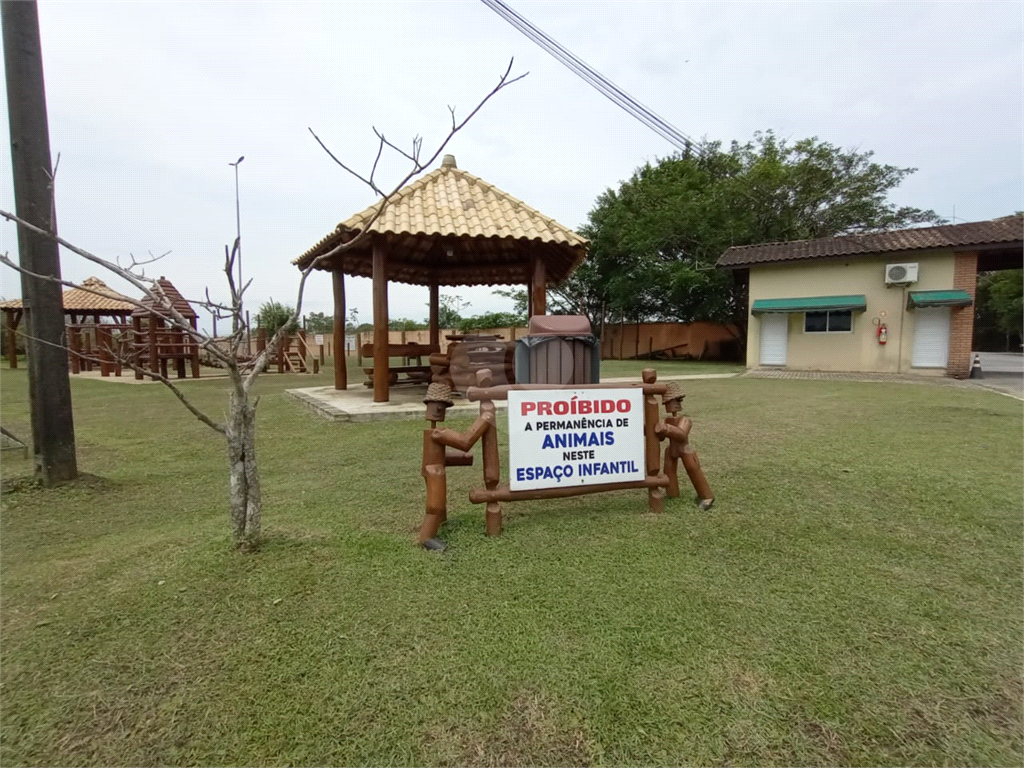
598	81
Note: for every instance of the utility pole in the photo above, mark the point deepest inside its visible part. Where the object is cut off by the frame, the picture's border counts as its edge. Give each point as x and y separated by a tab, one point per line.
53	427
238	236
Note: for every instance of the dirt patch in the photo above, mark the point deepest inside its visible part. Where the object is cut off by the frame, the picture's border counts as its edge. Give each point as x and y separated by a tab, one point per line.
825	741
528	733
32	484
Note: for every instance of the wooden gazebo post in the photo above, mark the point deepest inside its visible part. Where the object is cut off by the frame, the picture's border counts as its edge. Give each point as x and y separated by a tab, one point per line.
340	361
13	318
137	345
435	314
538	288
381	371
193	347
154	363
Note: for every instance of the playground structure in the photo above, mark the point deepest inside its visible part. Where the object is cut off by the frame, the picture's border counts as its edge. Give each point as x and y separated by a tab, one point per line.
443	448
447	228
100	336
96	325
154	343
291	353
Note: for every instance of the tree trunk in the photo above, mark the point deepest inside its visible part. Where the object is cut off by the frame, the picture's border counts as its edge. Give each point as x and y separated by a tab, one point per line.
246	502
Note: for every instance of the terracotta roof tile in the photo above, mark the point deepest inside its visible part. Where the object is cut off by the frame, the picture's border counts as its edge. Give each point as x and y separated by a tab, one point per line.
1008	230
177	301
78	300
427	217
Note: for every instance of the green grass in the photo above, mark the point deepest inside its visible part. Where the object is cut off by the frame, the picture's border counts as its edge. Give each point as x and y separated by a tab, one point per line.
609	368
621	368
854	597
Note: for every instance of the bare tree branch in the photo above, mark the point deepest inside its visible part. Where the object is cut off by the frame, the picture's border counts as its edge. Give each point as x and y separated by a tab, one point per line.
503	83
367	182
380	151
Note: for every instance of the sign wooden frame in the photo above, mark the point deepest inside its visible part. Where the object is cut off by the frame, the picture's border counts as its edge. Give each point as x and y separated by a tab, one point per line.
443	447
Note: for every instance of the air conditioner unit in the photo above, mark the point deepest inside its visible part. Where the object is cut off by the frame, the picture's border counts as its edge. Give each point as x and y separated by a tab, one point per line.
900	274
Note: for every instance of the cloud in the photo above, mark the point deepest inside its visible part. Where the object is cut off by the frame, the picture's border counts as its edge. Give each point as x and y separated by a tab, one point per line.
149	102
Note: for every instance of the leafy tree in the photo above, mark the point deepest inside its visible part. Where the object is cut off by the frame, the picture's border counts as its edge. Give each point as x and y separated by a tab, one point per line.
448	311
999	303
655	239
520	302
318	322
273	315
404	324
489	320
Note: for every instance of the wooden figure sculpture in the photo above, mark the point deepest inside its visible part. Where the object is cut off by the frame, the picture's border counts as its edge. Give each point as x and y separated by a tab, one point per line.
443	447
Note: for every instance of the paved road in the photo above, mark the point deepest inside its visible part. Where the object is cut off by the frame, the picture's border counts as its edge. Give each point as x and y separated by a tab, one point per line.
1003	371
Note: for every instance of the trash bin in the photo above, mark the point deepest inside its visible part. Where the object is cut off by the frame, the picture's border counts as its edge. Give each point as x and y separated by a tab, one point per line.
559	349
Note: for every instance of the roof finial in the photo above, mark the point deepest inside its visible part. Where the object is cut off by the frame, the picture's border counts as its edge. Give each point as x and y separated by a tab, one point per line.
448	161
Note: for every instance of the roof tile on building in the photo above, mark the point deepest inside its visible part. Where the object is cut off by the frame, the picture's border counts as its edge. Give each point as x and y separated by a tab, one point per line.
177	301
1007	230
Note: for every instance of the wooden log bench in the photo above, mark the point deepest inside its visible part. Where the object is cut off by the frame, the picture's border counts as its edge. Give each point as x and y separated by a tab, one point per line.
403	374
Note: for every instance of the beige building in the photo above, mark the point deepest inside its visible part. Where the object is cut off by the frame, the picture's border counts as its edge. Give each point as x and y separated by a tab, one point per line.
898	301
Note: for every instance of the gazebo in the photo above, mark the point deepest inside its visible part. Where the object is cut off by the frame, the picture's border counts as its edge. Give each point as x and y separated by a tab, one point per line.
81	306
447	228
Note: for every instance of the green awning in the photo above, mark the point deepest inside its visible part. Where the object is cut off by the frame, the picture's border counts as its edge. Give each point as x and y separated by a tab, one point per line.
938	299
855	303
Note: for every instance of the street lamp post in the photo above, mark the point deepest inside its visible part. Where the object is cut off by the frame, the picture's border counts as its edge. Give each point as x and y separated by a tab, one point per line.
238	229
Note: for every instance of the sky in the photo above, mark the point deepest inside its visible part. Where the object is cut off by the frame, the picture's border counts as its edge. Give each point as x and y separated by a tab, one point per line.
149	102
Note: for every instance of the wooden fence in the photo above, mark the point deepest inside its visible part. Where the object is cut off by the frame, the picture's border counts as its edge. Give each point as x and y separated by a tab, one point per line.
699	341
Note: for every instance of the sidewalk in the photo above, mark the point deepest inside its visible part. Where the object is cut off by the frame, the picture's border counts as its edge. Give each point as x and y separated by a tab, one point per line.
356	402
992	385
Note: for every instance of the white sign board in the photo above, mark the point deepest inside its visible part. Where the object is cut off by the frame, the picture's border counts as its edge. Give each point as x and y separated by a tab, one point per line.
319	339
569	437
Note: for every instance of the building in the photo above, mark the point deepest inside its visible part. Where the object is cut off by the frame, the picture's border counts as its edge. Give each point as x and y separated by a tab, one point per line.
898	301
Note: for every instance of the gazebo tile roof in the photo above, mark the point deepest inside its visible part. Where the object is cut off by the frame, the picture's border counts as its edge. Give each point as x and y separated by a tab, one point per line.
422	223
98	298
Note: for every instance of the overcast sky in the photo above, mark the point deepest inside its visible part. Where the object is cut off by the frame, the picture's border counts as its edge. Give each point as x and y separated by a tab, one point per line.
149	102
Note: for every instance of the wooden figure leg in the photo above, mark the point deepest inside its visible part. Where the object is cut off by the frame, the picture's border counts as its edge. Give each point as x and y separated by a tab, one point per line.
700	483
437	487
672	471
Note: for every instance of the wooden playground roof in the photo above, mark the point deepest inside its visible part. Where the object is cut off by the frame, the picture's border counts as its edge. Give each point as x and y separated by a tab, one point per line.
78	300
177	301
456	229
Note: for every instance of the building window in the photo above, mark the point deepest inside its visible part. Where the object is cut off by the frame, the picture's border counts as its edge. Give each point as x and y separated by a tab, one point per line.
836	321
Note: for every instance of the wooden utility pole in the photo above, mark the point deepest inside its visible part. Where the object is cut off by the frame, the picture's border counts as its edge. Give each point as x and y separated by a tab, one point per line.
53	428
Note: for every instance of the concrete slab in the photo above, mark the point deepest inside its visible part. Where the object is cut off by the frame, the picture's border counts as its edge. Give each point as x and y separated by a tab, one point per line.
356	404
128	376
1002	372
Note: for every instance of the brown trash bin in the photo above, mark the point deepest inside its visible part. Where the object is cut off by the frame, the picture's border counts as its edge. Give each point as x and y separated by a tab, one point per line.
559	349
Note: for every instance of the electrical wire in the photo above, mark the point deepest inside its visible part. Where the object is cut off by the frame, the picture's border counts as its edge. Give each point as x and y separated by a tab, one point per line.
598	81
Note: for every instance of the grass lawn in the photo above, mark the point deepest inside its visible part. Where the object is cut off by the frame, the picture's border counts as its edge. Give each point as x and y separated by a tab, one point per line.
609	368
854	597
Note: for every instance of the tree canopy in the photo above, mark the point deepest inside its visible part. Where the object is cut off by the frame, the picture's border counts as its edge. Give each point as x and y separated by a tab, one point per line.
318	322
999	311
655	239
273	315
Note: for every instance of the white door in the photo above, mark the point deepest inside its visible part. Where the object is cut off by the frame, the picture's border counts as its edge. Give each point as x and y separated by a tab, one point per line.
774	331
931	337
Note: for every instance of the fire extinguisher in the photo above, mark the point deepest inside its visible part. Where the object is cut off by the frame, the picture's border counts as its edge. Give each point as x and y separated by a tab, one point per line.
883	333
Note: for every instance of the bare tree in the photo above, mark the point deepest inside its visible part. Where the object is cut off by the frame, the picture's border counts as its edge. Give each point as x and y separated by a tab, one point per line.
239	428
